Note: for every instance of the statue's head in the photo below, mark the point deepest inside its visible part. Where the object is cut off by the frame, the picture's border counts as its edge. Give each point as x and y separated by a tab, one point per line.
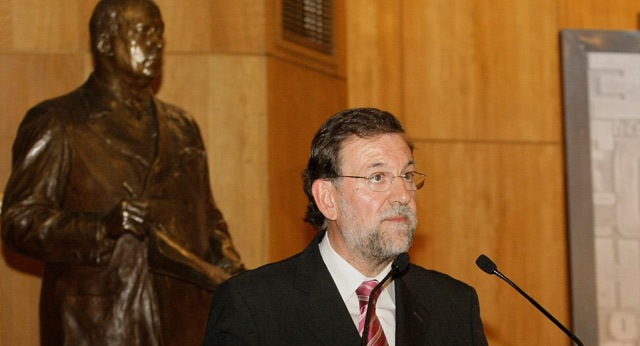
127	38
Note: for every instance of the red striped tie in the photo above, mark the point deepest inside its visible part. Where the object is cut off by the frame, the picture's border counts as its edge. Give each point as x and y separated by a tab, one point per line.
376	335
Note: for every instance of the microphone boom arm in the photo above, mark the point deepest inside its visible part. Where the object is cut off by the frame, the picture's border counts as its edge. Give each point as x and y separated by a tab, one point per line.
398	266
543	310
489	267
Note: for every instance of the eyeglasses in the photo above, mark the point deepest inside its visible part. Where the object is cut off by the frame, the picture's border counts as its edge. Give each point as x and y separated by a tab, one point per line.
380	182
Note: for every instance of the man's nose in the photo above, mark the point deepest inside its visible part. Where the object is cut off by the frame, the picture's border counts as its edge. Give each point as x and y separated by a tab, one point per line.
399	192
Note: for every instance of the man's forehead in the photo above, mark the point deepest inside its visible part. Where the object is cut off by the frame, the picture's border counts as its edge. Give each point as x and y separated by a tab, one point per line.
376	151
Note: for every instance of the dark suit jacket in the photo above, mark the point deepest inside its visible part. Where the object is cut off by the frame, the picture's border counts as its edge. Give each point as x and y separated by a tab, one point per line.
295	302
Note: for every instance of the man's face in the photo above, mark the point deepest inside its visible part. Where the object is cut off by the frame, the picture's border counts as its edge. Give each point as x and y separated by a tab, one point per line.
377	226
138	43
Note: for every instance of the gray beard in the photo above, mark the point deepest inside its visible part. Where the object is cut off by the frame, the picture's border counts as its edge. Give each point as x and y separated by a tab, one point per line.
370	244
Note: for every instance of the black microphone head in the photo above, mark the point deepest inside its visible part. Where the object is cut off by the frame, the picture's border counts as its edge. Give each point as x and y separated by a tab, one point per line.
401	262
486	264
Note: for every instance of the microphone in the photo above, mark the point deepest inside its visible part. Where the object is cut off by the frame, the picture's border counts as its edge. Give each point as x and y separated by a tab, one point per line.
399	265
489	267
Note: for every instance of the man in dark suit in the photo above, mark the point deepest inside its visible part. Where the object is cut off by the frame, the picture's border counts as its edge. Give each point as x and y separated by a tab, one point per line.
361	182
110	188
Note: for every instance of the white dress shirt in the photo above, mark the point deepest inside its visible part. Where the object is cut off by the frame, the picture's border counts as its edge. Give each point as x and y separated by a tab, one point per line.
348	279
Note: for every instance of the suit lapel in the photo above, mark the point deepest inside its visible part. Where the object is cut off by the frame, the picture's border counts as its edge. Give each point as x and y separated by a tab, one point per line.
412	319
320	305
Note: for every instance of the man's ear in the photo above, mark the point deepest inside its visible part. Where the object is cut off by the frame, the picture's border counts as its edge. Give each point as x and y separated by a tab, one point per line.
325	196
103	44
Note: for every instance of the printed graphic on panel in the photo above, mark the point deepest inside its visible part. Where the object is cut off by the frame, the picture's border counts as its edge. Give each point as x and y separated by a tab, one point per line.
614	108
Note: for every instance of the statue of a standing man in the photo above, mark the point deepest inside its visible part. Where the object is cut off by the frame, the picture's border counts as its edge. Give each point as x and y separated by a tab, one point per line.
110	188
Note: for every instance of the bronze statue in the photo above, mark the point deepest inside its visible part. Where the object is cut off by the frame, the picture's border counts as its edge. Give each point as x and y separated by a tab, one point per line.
110	188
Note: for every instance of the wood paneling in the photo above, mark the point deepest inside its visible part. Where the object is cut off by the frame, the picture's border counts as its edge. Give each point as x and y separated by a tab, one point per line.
238	25
6	25
375	61
599	14
180	19
19	299
227	96
481	70
234	26
46	25
480	97
506	201
300	100
240	126
28	79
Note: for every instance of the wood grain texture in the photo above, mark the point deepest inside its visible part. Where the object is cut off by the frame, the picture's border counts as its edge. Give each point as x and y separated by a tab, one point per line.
300	100
599	14
19	299
46	25
506	201
479	70
233	26
374	65
227	96
238	26
27	80
6	25
480	97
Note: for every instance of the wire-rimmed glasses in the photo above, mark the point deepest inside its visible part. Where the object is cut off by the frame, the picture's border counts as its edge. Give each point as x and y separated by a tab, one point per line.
382	181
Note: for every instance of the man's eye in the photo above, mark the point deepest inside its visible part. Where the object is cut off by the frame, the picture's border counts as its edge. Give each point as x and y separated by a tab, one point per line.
377	178
408	176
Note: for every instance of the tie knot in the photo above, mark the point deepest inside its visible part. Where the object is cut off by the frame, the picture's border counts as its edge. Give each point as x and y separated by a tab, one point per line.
364	291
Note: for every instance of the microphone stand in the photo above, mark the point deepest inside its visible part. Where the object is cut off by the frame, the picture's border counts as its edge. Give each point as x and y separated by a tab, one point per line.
490	268
399	265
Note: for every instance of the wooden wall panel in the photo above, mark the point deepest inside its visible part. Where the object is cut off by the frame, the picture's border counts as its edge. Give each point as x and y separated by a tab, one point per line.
19	300
300	100
28	79
227	96
437	46
599	14
481	70
86	9
236	26
480	93
180	20
506	201
6	25
52	25
375	61
238	101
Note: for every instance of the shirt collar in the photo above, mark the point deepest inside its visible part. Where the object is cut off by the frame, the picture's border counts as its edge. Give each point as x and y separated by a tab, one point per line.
346	277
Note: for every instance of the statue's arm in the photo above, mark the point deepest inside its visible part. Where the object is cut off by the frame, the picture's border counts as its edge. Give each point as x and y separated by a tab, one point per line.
34	221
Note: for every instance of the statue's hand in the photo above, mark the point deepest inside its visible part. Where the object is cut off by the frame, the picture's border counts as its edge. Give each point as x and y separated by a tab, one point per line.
129	216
